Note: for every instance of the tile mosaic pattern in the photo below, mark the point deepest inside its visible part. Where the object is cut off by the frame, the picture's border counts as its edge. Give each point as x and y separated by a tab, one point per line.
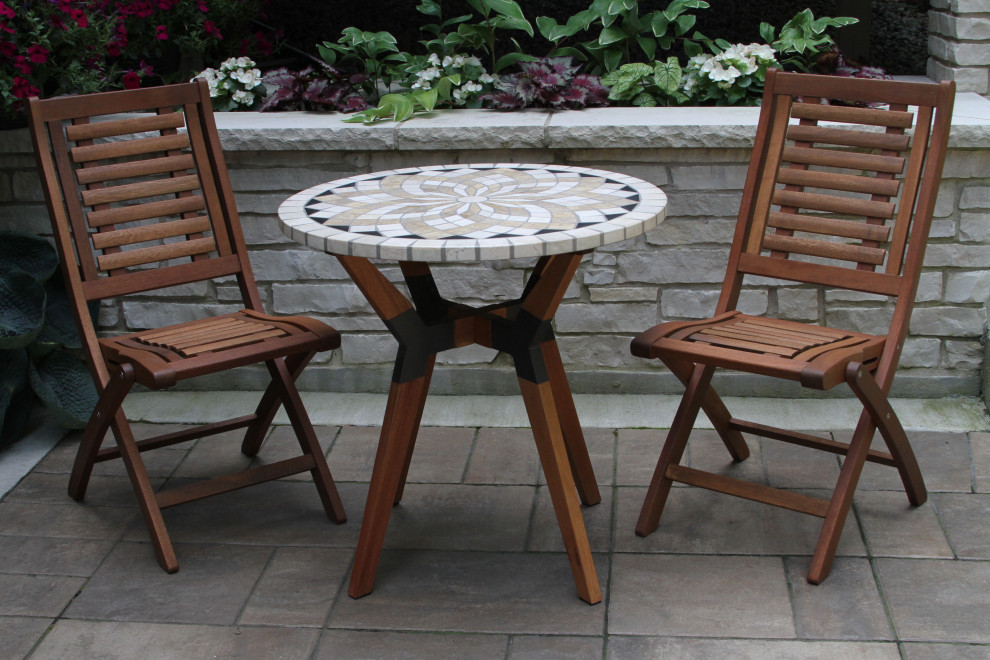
472	212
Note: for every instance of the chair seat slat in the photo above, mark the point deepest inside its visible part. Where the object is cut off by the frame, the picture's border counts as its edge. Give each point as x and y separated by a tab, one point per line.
741	344
833	204
234	343
868	116
135	168
163	334
148	210
828	250
130	125
805	332
140	190
849	138
136	147
186	340
870	185
829	226
738	332
170	229
148	255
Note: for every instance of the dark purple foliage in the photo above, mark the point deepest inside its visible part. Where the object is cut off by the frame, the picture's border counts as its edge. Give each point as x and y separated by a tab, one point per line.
548	82
313	88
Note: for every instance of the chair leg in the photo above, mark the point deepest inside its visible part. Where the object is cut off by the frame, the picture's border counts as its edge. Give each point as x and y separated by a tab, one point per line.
96	429
716	411
885	419
673	449
287	392
577	449
269	404
424	390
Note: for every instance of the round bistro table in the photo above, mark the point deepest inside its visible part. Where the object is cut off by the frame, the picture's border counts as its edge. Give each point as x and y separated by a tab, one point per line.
471	213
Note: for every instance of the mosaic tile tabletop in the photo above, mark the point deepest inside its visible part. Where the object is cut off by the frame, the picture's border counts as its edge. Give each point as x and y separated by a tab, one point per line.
472	212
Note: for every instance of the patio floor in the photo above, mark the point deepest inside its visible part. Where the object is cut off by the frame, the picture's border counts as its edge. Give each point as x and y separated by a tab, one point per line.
474	565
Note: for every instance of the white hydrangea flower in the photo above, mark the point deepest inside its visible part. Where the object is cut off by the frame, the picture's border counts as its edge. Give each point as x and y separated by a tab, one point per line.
719	73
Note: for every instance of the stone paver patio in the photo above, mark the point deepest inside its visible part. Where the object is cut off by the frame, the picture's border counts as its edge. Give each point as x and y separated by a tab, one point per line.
474	565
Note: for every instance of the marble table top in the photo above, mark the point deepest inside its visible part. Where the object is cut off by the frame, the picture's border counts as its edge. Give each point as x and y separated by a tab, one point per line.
472	212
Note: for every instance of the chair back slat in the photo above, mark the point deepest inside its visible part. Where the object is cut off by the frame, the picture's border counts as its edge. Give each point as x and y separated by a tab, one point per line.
834	194
140	196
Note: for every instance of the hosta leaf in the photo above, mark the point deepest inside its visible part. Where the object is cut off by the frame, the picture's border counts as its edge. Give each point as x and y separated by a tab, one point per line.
22	309
65	386
32	254
611	35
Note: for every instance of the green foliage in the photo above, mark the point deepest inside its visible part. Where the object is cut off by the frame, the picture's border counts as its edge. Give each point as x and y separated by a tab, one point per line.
373	53
490	18
623	35
802	39
38	339
402	106
645	85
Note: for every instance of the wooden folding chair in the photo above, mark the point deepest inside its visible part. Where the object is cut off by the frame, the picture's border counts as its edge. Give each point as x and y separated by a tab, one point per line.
137	203
839	196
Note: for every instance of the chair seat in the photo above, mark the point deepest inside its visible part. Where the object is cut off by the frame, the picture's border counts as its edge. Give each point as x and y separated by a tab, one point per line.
165	355
814	355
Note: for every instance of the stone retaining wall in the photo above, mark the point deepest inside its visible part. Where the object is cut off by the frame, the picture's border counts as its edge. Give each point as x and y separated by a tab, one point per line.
696	155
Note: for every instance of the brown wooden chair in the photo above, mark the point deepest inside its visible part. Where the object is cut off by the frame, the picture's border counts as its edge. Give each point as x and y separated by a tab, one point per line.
839	196
137	203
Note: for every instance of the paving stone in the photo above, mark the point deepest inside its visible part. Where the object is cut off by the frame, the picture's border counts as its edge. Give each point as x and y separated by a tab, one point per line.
211	587
637	452
965	520
461	517
937	600
19	634
981	461
792	466
440	455
640	648
361	644
547	647
50	488
221	454
545	535
474	592
159	463
699	596
36	595
894	528
503	456
601	451
120	640
922	651
297	587
352	456
944	459
265	514
65	521
847	605
699	521
37	555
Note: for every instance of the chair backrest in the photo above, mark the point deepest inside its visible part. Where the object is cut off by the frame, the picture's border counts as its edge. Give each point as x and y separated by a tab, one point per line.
138	201
842	195
846	186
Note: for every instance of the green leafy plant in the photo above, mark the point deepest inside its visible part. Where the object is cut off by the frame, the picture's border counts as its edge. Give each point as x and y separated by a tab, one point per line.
624	37
39	346
473	78
646	85
802	39
373	53
402	106
481	35
236	85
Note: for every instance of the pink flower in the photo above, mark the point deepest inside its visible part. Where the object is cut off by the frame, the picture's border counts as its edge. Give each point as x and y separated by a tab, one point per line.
37	54
161	33
80	17
23	88
6	11
202	6
131	80
7	48
212	29
21	63
113	49
6	27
